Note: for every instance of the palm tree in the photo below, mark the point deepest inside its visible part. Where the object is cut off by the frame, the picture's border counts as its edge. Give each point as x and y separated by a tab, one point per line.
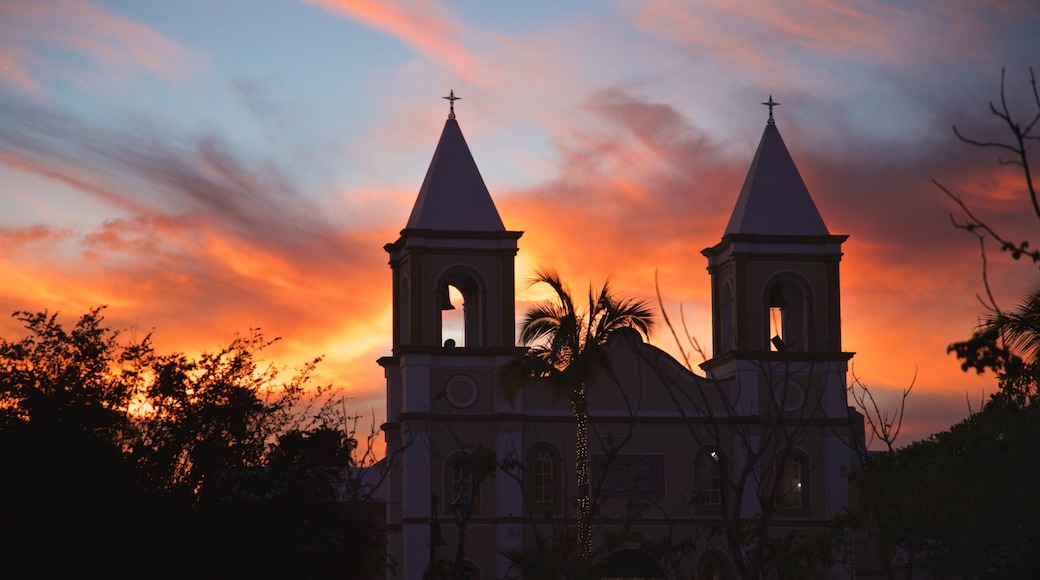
1020	329
1012	342
567	352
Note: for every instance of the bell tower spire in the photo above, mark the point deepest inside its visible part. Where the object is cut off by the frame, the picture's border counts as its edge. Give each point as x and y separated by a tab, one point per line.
452	270
454	238
776	295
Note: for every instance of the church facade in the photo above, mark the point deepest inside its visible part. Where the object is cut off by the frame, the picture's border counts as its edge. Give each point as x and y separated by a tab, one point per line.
757	440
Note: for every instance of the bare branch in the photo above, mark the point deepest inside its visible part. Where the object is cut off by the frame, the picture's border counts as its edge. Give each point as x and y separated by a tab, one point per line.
1020	135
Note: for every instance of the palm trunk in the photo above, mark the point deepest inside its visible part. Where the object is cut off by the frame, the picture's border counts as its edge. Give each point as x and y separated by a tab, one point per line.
581	416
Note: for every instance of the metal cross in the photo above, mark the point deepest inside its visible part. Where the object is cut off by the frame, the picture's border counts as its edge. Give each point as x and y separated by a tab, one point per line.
770	103
451	98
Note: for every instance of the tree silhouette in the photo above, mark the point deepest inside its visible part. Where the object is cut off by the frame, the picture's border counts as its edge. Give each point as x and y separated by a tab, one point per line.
962	502
753	449
1022	136
567	351
128	462
1006	343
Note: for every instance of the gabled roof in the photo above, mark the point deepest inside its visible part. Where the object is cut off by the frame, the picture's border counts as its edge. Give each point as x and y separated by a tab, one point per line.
453	195
774	199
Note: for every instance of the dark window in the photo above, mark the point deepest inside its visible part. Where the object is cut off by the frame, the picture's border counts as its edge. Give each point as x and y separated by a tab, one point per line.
793	488
459	486
543	476
708	473
630	474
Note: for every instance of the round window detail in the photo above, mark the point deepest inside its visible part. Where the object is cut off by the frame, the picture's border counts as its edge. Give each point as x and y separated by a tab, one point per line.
461	391
789	396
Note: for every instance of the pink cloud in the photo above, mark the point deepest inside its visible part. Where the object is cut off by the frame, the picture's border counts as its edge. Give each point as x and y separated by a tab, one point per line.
796	45
115	44
207	243
640	189
425	25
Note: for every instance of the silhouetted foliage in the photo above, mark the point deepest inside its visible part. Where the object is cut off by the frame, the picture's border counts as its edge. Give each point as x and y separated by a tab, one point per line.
556	556
963	503
121	461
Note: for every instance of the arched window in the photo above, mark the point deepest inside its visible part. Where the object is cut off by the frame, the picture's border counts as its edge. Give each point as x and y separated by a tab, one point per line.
453	318
727	340
788	310
403	312
708	477
459	485
793	486
543	476
459	298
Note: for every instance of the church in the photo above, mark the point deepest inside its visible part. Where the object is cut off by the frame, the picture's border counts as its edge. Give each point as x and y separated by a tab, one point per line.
691	467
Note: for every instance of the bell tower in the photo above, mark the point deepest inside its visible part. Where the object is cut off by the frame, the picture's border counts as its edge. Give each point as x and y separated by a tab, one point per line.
452	270
776	300
454	254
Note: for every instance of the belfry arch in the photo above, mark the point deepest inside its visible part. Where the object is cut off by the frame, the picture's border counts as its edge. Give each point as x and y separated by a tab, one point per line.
788	308
461	296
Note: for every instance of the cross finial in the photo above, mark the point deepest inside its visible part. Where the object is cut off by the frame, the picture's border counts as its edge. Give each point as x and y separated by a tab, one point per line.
770	103
451	98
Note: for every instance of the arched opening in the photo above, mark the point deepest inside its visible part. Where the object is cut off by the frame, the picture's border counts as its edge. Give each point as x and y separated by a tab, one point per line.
727	340
453	318
403	312
788	309
459	298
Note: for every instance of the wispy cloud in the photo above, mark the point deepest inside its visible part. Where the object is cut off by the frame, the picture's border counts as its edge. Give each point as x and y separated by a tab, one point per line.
110	44
209	242
621	124
427	26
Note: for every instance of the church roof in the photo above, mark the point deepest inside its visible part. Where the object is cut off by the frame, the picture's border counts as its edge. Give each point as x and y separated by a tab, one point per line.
453	196
774	199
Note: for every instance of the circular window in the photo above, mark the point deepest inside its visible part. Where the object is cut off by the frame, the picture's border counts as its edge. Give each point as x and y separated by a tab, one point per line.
789	396
461	391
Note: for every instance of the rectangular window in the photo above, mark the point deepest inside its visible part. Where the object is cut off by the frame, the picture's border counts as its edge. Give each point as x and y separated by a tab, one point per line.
542	474
710	478
791	484
630	474
461	485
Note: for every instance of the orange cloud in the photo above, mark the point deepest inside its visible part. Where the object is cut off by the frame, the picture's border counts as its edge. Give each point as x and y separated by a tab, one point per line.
642	190
204	243
201	241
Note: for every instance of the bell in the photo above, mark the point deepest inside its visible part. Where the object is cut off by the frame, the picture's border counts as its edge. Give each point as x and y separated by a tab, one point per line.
446	300
776	296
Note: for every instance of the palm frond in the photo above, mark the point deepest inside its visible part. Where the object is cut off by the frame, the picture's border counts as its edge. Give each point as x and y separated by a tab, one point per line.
1021	327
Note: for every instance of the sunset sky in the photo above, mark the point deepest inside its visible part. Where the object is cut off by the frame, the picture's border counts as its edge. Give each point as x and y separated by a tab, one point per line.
204	168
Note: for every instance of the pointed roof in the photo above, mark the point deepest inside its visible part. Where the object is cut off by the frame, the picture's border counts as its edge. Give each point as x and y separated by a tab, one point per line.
453	196
774	199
